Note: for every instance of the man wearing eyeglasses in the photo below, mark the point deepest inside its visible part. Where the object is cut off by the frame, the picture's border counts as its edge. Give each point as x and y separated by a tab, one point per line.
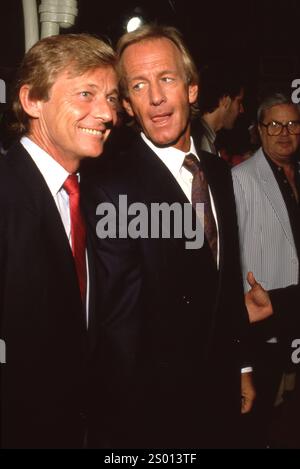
267	191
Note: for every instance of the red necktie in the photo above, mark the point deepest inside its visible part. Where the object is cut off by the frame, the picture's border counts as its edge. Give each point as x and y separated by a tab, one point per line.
78	233
200	194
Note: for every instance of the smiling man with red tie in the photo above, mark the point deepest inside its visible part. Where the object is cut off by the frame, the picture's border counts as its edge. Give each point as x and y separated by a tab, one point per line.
66	103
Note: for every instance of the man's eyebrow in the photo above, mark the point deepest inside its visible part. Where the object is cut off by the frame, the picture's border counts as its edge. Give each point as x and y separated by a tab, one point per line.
163	72
169	70
94	86
113	91
137	77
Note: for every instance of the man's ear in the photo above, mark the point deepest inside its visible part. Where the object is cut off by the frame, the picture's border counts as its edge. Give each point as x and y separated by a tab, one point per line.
127	107
193	93
31	106
259	127
225	102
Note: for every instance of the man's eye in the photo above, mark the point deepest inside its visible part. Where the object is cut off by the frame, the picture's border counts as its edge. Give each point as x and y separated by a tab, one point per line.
85	94
138	86
113	100
167	79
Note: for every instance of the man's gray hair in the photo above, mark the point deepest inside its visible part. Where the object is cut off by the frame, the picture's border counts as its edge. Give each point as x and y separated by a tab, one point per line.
274	100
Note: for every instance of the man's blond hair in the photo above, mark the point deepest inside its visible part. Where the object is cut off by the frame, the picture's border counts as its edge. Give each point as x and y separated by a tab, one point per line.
77	53
149	32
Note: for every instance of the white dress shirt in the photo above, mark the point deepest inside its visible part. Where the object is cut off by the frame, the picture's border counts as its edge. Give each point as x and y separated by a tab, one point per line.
55	176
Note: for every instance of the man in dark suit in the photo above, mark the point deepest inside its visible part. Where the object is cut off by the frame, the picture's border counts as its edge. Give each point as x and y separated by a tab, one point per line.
65	104
171	319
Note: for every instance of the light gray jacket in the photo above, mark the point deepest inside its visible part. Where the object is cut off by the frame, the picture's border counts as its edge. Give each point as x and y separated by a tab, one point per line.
266	238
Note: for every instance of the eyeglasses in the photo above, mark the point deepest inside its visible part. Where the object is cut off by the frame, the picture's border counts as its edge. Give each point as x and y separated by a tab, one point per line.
275	128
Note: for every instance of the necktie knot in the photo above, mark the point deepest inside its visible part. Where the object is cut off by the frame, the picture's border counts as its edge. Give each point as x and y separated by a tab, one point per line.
71	185
191	163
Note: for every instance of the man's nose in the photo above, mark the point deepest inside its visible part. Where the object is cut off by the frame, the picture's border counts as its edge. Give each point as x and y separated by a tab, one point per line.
284	130
104	111
157	95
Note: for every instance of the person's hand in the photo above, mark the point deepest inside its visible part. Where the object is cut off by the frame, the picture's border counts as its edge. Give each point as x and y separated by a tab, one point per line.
257	301
248	392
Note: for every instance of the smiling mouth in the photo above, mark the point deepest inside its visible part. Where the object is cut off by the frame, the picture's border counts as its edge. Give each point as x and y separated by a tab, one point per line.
95	132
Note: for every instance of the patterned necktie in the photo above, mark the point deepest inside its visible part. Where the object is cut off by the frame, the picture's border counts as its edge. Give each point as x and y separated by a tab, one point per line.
78	233
200	194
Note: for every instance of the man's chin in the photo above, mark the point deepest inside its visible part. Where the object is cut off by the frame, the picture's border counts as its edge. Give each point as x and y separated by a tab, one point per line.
163	141
93	152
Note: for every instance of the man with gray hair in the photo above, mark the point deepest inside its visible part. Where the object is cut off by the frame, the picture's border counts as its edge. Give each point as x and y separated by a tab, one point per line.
267	191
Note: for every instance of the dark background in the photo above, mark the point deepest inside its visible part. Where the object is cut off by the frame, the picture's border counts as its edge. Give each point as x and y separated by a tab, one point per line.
262	38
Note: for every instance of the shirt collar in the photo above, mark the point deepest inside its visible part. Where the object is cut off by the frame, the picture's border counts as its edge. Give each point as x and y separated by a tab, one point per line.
294	161
53	173
171	156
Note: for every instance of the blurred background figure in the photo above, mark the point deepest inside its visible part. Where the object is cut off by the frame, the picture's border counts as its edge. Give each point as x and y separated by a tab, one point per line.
220	102
240	143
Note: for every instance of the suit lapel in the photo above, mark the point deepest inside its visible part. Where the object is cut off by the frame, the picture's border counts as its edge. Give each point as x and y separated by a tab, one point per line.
43	205
215	184
164	187
42	200
271	189
88	205
158	184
